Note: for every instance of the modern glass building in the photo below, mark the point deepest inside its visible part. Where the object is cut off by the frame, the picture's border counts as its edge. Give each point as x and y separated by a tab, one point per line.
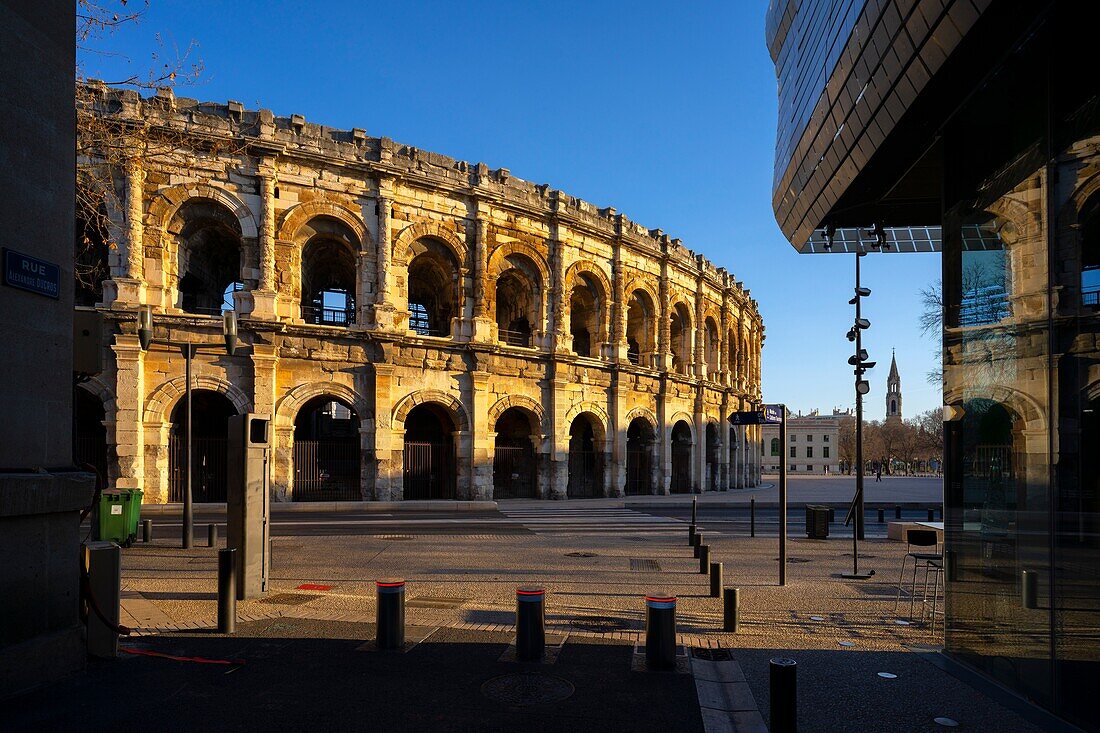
973	127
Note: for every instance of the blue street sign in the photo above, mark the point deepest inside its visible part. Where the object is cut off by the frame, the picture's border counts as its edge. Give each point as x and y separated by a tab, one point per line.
752	417
31	274
773	413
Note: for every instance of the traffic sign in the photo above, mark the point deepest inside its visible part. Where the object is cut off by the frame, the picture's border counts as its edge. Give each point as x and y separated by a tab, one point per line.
750	417
773	413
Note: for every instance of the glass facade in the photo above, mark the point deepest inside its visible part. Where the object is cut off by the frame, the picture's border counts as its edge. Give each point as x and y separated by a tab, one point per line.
1021	192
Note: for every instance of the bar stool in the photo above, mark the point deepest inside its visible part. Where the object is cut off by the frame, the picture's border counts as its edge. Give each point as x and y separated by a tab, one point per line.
936	568
917	538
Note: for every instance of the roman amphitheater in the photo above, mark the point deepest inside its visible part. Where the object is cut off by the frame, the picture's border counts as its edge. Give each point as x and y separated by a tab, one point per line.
417	327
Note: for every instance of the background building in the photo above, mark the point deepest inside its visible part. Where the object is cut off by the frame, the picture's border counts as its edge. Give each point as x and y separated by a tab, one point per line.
974	126
417	326
812	445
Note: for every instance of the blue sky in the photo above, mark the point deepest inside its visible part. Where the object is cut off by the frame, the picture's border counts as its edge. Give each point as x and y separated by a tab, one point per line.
664	111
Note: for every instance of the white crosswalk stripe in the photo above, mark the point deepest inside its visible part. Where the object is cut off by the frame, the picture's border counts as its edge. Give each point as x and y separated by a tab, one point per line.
593	521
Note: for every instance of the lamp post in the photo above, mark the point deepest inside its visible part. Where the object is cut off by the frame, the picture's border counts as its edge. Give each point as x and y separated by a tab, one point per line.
189	349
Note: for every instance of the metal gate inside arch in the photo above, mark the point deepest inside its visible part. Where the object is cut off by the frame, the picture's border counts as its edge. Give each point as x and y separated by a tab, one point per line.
327	452
514	458
429	470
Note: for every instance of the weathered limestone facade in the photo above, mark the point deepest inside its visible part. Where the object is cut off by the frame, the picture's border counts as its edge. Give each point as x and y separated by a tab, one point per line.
476	294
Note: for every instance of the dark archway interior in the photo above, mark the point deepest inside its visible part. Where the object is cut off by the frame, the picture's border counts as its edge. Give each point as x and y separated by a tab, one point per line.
209	443
640	442
681	458
433	280
328	282
515	307
514	460
89	432
327	451
713	448
584	317
639	327
209	257
585	460
429	454
679	339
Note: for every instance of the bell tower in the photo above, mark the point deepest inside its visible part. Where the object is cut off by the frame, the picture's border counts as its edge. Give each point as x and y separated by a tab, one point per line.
893	392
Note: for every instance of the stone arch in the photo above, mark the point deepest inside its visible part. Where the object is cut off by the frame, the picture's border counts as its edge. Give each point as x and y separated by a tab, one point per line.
158	406
168	201
644	284
449	402
1082	192
299	215
286	409
586	267
598	412
432	230
682	416
643	412
98	388
520	271
1024	405
501	252
521	401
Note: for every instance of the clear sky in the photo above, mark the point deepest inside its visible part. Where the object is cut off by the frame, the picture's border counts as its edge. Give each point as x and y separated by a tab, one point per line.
665	111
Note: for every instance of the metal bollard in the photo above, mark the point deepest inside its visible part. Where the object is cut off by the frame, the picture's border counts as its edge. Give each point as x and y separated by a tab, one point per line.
752	517
931	515
696	544
897	512
716	580
729	610
784	695
940	510
694	506
530	623
832	515
691	535
660	631
212	535
1029	589
227	590
881	516
704	559
147	530
390	632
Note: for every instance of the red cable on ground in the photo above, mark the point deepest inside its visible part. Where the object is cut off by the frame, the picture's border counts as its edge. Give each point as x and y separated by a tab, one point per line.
173	657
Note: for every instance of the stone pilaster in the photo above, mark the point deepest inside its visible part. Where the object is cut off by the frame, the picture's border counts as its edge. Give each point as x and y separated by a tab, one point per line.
264	299
384	309
616	481
129	437
664	338
265	361
482	444
559	435
130	289
700	332
699	452
618	347
664	435
388	443
558	296
483	323
724	428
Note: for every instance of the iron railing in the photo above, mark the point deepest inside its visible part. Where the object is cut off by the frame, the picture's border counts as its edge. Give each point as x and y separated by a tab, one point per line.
639	471
328	316
327	470
208	472
428	471
514	338
585	474
514	474
681	468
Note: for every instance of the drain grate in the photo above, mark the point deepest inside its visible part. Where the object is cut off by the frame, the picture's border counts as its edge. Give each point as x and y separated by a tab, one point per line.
438	602
713	655
580	554
527	689
290	599
600	624
644	565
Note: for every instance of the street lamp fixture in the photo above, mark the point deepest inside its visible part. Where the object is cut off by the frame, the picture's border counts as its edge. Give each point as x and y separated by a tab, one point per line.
146	339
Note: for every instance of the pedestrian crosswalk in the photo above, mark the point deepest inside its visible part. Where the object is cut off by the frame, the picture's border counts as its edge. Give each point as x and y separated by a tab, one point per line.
581	520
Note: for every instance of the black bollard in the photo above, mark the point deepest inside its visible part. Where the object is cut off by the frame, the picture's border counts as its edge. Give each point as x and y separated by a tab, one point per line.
716	580
147	530
881	516
832	515
752	517
694	505
390	633
227	590
696	544
897	512
212	535
660	631
704	559
931	515
940	510
691	535
784	695
729	610
530	623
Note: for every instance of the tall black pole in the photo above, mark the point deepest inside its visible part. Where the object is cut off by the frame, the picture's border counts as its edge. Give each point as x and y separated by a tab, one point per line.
188	509
857	526
783	497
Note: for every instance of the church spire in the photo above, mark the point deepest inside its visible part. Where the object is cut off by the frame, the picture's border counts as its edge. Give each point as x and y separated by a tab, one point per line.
893	391
894	377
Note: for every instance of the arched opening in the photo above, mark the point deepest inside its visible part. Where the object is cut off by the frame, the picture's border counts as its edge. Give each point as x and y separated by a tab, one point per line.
584	316
328	273
679	336
641	441
89	432
585	459
433	290
640	342
208	238
1089	220
712	454
516	308
985	288
893	407
90	261
429	456
209	442
681	458
775	447
711	347
515	461
327	451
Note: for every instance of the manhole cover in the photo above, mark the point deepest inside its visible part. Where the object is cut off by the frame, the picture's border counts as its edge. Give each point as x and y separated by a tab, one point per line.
791	560
527	689
714	655
600	625
290	599
644	564
580	554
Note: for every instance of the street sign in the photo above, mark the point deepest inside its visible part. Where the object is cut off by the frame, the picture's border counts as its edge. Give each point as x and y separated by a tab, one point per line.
773	413
31	274
751	417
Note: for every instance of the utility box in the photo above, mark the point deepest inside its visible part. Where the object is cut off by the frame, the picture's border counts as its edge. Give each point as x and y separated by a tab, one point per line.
817	522
102	562
248	501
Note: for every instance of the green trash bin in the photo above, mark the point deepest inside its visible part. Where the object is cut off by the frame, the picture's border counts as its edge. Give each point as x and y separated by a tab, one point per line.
118	514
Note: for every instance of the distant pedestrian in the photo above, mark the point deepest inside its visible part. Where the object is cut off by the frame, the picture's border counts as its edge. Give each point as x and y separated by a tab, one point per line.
878	473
